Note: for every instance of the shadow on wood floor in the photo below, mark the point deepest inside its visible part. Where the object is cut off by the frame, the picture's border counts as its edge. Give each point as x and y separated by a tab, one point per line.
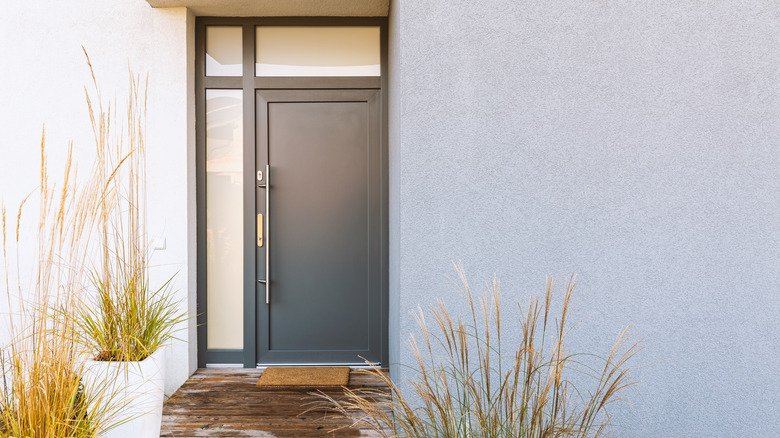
226	403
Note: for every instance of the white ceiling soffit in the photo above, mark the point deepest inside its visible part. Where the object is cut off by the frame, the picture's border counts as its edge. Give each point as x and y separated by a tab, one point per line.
280	8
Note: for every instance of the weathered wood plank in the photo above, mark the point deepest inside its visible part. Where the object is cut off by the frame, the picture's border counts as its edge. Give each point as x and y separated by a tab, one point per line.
227	403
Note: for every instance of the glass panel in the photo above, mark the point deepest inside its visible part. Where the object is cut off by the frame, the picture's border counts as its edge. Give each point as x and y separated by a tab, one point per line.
317	51
224	210
223	51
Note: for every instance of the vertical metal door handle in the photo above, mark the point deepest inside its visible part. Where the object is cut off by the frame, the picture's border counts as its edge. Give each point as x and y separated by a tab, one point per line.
268	233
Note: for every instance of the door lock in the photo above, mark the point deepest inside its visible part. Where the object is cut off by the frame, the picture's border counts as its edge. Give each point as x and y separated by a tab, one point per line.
259	175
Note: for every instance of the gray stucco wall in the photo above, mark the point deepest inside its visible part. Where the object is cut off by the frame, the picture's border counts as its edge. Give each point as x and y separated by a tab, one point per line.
636	144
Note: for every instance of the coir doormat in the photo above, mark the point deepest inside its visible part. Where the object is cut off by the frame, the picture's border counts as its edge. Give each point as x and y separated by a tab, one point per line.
304	376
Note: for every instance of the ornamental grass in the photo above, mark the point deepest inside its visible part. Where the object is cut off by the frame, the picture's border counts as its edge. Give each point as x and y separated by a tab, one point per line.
71	310
43	391
125	319
466	382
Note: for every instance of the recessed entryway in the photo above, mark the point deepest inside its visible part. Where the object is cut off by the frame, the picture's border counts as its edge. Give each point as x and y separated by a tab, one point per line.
292	191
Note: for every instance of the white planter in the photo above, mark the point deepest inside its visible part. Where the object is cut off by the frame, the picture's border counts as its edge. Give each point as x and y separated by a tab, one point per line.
136	390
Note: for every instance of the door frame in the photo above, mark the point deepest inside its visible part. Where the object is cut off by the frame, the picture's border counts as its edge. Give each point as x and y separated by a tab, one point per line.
249	83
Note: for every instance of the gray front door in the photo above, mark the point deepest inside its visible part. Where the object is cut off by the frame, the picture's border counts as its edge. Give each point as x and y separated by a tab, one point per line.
319	301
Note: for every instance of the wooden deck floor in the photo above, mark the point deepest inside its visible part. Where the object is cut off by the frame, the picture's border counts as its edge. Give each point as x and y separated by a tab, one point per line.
226	403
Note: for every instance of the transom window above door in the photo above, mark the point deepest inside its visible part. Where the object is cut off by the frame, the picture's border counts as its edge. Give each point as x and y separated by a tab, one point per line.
296	51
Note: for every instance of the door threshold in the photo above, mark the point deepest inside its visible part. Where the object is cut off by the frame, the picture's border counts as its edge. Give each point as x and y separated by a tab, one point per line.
351	365
224	365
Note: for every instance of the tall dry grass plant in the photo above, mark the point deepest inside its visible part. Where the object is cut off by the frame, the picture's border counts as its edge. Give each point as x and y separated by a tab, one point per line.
55	323
43	393
468	385
125	320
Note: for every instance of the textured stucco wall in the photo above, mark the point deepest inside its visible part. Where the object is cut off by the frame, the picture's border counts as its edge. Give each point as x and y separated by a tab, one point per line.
634	143
394	122
42	80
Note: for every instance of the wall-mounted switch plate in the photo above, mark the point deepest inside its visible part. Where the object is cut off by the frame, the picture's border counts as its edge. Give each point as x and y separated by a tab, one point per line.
160	244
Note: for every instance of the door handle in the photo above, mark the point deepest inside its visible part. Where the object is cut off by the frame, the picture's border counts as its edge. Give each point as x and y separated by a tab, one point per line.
260	242
268	231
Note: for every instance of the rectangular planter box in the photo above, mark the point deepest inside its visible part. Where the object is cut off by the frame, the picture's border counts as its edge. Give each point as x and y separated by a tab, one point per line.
135	390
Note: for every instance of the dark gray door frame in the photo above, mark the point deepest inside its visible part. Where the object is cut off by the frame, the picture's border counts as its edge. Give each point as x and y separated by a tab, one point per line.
250	84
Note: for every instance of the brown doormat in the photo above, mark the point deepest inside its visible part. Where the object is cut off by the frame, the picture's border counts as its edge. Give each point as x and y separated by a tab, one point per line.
304	376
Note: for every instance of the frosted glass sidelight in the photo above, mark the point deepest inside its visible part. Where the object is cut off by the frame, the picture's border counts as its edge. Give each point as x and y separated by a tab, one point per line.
317	51
223	51
224	221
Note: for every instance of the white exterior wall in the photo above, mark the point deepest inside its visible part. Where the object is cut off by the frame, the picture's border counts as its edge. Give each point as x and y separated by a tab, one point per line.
42	80
634	143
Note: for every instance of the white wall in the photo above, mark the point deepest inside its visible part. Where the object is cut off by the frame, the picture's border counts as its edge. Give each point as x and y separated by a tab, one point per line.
634	143
42	80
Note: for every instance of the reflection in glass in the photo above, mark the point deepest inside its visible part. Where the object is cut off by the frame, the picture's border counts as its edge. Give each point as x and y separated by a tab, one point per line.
223	51
317	51
224	210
